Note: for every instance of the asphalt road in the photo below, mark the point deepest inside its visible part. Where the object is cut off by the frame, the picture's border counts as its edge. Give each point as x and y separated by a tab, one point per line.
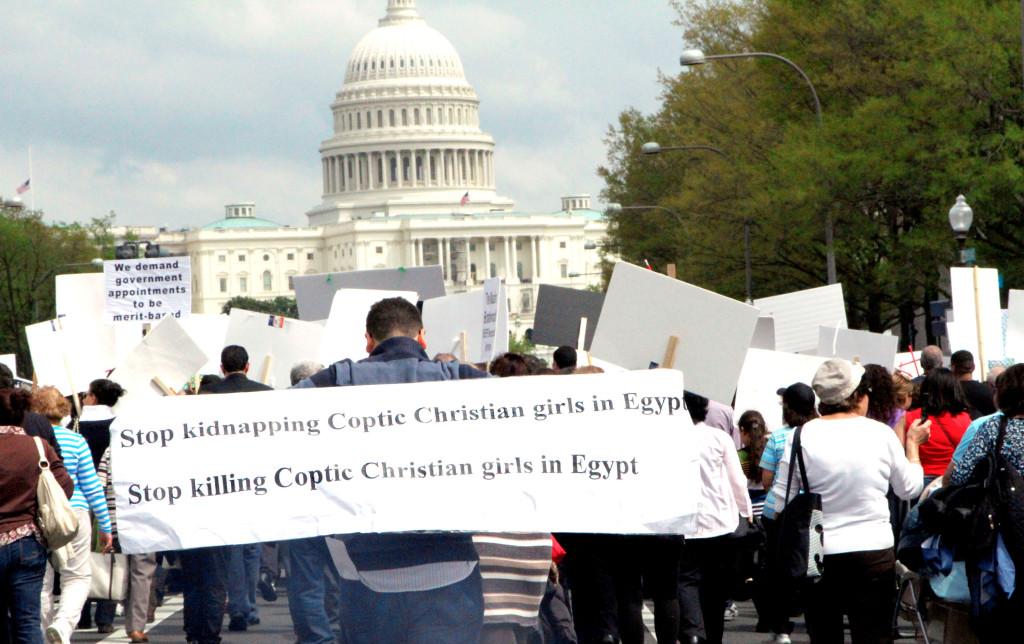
276	628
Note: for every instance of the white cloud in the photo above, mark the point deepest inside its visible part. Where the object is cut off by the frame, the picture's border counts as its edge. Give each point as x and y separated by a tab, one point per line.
166	111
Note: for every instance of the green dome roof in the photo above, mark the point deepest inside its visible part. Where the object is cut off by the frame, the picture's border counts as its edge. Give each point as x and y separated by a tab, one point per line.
241	223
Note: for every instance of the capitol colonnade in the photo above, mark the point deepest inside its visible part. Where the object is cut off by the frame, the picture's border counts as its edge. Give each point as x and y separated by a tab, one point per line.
408	168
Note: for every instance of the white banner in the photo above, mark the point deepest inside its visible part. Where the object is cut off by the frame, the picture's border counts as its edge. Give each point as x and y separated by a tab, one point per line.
145	290
597	453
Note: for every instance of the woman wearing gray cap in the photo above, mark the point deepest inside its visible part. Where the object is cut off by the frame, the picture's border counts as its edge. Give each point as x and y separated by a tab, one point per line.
851	461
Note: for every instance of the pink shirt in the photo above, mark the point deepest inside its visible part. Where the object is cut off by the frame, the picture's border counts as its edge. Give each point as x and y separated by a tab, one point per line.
723	491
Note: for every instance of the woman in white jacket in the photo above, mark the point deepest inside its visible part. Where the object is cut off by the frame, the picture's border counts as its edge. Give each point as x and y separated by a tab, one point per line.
851	461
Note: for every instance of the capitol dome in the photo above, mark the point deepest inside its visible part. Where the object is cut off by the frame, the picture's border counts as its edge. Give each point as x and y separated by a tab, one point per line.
403	46
407	137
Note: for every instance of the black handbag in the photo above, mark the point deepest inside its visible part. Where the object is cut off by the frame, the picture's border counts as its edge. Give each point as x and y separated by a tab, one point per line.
801	545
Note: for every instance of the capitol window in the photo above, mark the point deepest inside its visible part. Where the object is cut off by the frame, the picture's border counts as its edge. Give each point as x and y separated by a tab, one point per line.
241	258
391	118
309	256
291	256
380	118
380	250
561	244
405	117
223	285
243	284
268	281
416	116
222	258
266	258
430	118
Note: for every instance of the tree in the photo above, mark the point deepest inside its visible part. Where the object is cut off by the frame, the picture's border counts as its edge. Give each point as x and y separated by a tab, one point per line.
280	305
32	253
921	101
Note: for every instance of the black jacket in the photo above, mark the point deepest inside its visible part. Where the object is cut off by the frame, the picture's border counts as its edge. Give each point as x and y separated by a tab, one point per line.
234	383
36	425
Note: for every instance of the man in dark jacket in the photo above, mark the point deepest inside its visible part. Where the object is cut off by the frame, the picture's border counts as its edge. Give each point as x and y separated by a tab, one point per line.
406	587
980	400
211	573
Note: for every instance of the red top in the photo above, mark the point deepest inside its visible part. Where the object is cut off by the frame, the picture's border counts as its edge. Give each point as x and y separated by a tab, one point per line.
947	430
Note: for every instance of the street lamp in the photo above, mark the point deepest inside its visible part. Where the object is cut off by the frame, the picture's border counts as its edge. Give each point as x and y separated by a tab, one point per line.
653	147
694	57
961	216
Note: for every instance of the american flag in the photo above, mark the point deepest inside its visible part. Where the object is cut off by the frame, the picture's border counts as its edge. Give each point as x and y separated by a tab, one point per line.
276	321
465	199
23	188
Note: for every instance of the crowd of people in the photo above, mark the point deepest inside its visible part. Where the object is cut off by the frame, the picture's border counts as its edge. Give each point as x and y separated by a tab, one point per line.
866	440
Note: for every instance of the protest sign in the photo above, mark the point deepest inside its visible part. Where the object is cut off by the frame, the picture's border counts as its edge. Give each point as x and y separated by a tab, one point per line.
1015	326
909	364
72	351
314	293
492	295
650	319
764	334
275	344
798	315
145	290
208	331
510	455
977	315
447	319
81	294
344	332
11	361
556	321
864	347
764	373
168	354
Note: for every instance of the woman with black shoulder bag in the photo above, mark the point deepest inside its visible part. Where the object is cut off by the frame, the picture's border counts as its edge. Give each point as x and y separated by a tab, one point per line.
850	461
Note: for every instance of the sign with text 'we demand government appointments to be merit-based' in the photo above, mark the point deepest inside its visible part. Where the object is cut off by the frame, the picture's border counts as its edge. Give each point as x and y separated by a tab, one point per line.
145	290
607	453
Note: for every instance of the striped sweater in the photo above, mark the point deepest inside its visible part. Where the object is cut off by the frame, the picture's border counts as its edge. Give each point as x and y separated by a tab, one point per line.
514	568
88	489
108	488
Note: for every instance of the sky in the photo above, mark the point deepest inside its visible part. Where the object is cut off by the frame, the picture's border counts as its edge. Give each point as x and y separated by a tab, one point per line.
163	112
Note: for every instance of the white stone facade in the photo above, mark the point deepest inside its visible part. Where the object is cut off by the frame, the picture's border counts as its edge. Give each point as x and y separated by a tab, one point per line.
408	180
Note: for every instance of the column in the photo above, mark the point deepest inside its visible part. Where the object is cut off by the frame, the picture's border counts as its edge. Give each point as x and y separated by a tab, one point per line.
385	167
468	263
398	168
507	256
430	167
323	168
534	248
446	260
477	174
487	257
515	262
417	249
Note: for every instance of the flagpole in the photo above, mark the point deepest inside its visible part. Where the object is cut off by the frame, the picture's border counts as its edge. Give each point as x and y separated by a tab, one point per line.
31	184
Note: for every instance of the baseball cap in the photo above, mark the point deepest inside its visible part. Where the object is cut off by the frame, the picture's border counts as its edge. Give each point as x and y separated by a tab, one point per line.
798	397
836	380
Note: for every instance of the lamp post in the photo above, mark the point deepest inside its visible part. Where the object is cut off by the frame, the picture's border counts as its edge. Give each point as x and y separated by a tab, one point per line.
653	147
694	57
961	216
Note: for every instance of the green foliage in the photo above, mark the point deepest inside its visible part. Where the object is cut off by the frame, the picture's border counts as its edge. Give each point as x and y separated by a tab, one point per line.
520	345
921	101
280	305
32	253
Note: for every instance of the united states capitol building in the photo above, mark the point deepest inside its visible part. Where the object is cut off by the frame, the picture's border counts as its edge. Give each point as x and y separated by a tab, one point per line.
408	180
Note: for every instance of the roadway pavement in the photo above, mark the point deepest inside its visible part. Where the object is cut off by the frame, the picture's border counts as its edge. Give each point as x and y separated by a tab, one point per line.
276	628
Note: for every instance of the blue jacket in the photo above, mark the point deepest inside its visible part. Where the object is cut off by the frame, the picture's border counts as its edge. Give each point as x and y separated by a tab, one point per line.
399	360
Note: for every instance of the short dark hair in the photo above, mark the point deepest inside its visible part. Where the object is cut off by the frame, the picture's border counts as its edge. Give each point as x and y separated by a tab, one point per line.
697	405
13	405
796	418
534	364
207	380
881	393
564	357
509	364
962	362
107	392
6	377
392	317
941	392
1010	391
233	358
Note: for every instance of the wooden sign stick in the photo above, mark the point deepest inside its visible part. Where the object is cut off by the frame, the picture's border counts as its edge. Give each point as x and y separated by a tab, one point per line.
463	349
268	362
164	389
670	270
978	328
669	360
